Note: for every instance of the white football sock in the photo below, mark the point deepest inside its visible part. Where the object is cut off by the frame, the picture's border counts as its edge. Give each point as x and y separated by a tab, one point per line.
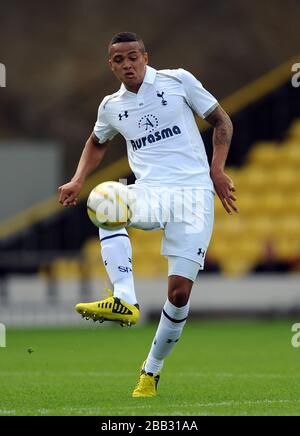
117	257
169	330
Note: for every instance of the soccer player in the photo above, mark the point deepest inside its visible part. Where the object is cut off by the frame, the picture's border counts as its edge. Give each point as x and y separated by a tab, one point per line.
154	111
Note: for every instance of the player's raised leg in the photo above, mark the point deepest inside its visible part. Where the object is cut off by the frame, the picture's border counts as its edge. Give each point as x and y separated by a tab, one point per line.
116	252
121	305
117	257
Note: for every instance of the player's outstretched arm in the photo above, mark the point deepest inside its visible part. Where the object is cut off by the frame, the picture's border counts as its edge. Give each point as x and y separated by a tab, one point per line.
222	136
91	157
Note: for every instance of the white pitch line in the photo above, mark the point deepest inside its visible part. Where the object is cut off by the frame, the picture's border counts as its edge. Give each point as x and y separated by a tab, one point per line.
188	405
246	403
220	404
97	410
200	405
7	412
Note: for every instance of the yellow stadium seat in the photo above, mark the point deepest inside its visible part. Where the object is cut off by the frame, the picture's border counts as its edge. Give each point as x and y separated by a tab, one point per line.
219	209
263	154
290	228
94	270
66	269
232	227
287	248
291	154
261	228
287	179
150	267
236	267
294	130
247	203
232	172
248	248
253	178
292	204
218	247
273	203
237	256
91	248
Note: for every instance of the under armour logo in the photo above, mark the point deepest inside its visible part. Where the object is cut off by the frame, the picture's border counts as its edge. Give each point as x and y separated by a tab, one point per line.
161	95
169	341
105	263
125	114
200	252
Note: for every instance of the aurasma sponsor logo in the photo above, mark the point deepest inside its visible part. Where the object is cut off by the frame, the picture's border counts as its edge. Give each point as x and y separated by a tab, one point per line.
155	137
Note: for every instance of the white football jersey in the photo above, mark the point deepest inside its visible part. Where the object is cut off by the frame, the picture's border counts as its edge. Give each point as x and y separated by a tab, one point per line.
164	144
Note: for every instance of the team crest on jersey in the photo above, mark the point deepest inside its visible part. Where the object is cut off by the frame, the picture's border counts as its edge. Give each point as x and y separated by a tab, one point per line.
148	122
161	95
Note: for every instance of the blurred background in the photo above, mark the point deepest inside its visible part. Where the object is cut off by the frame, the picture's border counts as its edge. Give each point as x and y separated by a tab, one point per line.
55	56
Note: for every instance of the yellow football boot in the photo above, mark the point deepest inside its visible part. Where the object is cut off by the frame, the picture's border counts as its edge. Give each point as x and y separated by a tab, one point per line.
110	309
147	384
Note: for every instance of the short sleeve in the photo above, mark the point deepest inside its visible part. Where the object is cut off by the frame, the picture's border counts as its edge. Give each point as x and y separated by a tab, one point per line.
198	98
103	130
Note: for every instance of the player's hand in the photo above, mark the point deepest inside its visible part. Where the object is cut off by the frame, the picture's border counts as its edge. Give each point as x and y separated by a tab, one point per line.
68	193
224	187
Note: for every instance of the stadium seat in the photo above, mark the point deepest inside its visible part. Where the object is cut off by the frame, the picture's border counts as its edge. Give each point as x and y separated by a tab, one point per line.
287	248
287	179
91	248
253	178
291	154
264	154
294	130
248	203
65	269
269	204
292	203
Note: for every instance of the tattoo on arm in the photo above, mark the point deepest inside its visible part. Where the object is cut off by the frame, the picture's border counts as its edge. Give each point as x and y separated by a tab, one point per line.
222	127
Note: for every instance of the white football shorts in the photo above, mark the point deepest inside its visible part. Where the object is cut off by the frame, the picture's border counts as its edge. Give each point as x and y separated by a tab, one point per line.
185	215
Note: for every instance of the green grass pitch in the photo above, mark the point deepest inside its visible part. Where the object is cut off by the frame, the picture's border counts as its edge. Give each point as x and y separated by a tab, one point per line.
217	368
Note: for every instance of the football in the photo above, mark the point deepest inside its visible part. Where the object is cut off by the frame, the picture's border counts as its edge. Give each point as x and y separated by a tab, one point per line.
108	205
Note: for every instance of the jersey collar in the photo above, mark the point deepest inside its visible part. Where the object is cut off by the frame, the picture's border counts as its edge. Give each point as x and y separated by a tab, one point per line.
150	75
149	79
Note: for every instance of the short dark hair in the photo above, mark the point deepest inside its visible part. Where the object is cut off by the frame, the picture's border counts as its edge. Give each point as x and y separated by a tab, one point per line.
127	37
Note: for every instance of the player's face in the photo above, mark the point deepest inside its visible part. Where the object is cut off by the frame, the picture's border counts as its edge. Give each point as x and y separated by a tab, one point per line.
128	63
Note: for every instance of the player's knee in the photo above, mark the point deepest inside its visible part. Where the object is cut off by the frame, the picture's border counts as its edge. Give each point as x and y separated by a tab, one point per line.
179	292
178	298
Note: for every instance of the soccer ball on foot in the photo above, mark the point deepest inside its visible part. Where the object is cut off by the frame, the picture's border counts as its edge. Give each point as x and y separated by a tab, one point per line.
108	206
